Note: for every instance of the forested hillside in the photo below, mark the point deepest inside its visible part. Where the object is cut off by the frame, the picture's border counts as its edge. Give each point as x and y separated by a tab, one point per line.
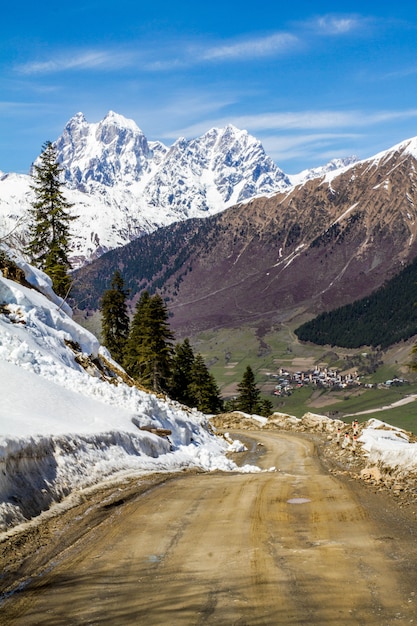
386	317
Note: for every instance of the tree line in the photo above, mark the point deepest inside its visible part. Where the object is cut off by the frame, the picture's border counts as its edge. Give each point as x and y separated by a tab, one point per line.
145	348
387	316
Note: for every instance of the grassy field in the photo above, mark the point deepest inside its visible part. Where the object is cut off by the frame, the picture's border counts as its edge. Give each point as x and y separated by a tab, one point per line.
228	351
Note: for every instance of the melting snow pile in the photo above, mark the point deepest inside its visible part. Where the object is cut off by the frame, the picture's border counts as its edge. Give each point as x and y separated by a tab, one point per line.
67	421
389	447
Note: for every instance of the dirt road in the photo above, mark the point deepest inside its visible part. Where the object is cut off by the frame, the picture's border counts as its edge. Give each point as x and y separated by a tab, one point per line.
294	546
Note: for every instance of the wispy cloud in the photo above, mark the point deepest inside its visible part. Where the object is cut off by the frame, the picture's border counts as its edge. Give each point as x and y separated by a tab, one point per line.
334	24
401	73
257	47
83	60
294	121
188	54
288	147
172	55
270	45
168	57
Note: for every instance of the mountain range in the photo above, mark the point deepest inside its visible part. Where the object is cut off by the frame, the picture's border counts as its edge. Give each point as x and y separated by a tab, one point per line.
310	248
216	226
124	186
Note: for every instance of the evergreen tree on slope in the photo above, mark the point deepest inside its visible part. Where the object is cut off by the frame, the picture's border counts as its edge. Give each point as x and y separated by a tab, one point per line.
182	363
149	346
248	399
115	318
49	233
203	390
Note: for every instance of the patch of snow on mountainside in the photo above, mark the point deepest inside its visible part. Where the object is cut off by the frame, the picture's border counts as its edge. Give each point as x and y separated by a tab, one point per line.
405	148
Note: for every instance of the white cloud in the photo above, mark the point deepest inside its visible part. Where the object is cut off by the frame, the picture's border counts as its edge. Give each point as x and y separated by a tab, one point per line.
334	25
270	45
179	55
300	120
316	145
189	54
337	25
84	60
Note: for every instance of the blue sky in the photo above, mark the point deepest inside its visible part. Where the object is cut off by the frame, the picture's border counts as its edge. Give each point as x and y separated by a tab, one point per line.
311	80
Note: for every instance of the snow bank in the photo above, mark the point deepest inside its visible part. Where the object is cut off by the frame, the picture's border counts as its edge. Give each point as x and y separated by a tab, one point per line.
67	421
389	447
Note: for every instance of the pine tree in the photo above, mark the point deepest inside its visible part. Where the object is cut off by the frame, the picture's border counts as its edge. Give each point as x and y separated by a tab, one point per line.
181	369
137	337
115	318
248	399
149	346
266	408
203	390
49	234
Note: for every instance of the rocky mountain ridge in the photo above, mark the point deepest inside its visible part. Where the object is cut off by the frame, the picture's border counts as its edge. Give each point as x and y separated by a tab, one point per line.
123	186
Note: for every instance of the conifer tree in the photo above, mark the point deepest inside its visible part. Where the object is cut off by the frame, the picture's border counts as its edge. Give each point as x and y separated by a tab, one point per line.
49	234
115	318
265	408
248	399
149	346
136	338
203	390
181	368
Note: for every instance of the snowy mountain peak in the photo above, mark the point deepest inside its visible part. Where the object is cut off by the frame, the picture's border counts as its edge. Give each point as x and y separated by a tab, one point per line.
113	160
107	152
410	147
407	147
78	118
122	186
119	120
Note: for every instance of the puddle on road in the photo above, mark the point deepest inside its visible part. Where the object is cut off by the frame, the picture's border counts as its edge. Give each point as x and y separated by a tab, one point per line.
155	558
298	500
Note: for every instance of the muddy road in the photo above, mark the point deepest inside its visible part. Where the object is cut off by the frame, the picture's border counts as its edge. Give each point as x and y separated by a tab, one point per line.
293	546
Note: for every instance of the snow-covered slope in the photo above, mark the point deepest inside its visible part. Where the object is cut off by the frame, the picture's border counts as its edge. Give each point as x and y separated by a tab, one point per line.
66	420
123	185
335	166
